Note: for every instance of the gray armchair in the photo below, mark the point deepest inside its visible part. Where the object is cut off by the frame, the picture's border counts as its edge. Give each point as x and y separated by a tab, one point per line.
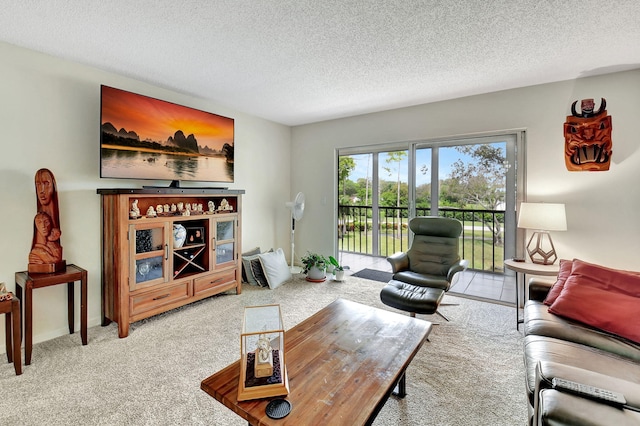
433	258
425	272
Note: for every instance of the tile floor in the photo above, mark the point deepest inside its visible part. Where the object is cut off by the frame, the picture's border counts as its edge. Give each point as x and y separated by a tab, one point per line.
496	288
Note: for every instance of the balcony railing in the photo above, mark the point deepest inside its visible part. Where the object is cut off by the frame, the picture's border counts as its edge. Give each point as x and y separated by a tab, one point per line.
482	240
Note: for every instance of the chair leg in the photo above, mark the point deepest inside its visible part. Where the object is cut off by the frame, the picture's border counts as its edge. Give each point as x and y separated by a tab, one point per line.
446	304
442	315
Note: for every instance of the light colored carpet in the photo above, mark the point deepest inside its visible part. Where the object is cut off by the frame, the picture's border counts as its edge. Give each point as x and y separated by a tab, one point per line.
469	373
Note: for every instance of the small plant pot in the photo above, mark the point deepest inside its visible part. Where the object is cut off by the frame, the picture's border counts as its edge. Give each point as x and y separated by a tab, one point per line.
315	273
338	275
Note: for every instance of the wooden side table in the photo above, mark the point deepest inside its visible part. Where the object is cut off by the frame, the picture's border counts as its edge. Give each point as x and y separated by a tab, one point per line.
11	309
532	269
29	281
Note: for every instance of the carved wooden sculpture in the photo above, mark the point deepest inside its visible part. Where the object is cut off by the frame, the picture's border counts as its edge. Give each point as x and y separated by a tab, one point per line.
46	252
587	138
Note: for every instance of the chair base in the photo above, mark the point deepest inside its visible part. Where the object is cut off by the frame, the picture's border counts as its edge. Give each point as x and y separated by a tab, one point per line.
446	304
442	316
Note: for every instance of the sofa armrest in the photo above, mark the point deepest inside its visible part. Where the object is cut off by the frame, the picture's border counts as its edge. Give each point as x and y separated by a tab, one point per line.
399	262
547	370
538	288
563	408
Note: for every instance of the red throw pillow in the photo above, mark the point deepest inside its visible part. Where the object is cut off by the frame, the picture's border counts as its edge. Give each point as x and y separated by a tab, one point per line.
615	280
584	300
563	274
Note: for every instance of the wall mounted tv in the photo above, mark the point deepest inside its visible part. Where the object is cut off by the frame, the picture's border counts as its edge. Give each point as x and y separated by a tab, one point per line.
146	138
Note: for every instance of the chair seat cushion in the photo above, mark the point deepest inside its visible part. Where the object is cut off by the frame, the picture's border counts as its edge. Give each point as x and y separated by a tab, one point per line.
411	298
422	280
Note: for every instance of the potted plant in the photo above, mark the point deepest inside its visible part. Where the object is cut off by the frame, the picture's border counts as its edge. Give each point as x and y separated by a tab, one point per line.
338	270
315	266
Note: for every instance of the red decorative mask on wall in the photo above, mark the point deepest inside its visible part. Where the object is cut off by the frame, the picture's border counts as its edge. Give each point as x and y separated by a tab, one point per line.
587	137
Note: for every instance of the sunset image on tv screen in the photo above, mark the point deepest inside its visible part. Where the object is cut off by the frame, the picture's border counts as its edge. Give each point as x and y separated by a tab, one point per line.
146	138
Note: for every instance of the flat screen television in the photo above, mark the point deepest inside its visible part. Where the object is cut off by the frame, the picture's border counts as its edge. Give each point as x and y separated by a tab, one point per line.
147	138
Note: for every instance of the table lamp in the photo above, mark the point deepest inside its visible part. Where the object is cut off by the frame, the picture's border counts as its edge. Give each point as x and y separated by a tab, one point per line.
542	217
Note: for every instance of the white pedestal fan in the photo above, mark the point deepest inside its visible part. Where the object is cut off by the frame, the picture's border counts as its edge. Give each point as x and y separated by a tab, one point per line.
297	209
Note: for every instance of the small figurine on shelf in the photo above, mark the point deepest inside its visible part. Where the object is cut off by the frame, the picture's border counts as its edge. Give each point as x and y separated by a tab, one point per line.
151	212
224	205
180	206
159	209
212	207
135	211
174	208
4	294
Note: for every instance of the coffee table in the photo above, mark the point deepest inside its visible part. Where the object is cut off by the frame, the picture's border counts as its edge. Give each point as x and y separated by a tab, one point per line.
343	363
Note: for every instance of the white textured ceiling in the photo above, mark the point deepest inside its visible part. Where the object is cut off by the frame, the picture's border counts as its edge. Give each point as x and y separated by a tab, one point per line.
302	61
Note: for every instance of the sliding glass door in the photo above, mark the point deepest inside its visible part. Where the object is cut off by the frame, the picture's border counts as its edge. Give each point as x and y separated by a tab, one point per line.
471	179
392	210
474	181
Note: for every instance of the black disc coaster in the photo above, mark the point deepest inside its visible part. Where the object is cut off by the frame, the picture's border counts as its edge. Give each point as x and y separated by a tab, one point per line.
278	408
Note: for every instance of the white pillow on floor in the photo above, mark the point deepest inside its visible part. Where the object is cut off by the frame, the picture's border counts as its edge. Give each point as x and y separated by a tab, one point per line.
275	268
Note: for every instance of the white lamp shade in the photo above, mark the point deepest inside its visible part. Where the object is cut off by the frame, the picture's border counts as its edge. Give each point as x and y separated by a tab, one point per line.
542	216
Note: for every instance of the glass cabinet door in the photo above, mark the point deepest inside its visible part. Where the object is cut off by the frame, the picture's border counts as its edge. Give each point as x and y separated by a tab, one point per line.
225	240
149	255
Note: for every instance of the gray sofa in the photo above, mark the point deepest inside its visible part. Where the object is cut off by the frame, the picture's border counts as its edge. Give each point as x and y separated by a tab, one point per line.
558	347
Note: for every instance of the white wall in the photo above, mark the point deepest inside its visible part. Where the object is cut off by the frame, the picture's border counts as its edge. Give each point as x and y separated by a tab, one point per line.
49	116
602	207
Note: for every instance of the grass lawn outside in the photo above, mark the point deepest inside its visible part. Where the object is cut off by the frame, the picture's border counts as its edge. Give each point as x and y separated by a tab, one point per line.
477	247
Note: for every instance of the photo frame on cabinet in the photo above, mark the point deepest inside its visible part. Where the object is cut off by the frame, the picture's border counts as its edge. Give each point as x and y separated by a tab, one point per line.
195	235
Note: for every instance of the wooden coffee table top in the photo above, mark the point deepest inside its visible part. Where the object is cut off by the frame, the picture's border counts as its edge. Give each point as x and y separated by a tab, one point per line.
343	363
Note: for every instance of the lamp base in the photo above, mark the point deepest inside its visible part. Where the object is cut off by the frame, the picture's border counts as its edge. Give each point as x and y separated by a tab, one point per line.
541	251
